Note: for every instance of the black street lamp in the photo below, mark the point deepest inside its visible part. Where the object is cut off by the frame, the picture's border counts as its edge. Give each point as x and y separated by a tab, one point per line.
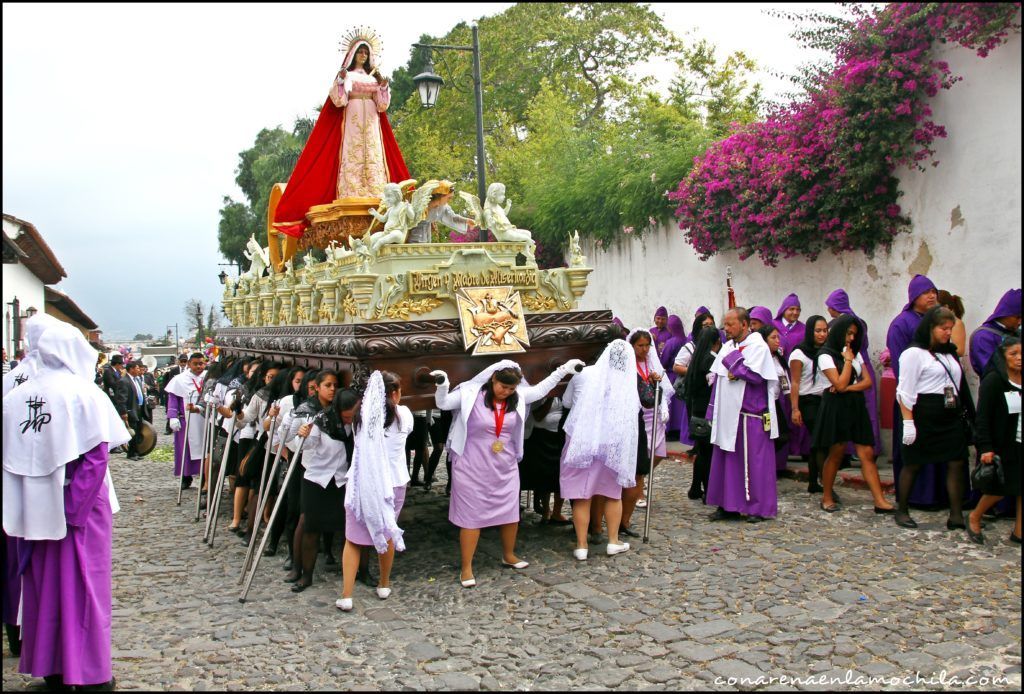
223	277
429	86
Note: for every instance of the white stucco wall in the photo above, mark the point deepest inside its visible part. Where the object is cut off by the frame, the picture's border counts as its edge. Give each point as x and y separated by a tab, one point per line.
966	232
18	281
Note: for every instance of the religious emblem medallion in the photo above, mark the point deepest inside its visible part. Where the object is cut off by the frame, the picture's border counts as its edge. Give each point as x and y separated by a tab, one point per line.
491	320
497	446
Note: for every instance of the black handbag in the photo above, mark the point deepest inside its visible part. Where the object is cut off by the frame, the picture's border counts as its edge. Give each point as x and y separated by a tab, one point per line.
646	390
988	478
965	418
700	427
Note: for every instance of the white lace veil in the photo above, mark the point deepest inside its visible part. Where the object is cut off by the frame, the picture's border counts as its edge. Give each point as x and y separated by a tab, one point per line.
478	381
602	423
371	497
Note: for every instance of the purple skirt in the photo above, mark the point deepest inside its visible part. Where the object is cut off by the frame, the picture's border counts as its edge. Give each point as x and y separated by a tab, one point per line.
587	482
356	532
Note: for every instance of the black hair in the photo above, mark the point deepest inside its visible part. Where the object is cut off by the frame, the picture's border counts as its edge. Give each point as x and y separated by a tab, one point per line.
510	376
345	399
997	362
300	396
936	315
196	355
638	335
233	372
703	342
765	331
281	386
808	346
836	341
698	323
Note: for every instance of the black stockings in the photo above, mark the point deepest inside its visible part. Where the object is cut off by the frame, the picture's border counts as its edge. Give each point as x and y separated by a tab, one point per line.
954	488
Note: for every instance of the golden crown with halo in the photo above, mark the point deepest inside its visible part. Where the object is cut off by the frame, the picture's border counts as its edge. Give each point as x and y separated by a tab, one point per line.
362	33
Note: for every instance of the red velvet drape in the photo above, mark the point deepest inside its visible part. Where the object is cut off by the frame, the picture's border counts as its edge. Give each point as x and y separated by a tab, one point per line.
314	179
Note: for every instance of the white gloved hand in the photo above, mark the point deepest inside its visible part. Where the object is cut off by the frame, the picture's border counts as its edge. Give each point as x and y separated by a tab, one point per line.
175	425
569	367
909	432
438	372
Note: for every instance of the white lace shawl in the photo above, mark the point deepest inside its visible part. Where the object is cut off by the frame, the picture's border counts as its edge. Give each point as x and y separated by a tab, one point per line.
369	496
602	422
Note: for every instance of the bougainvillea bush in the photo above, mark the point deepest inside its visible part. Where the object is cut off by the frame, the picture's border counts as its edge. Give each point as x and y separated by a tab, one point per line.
819	173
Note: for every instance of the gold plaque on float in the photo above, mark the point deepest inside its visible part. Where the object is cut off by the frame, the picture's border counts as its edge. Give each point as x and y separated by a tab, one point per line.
491	320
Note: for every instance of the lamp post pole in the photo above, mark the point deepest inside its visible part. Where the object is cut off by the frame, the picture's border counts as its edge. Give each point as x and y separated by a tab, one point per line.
478	92
177	345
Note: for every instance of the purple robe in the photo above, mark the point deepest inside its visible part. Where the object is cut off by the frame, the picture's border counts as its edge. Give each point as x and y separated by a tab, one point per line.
839	301
193	461
67	585
587	482
485	484
726	482
677	417
985	340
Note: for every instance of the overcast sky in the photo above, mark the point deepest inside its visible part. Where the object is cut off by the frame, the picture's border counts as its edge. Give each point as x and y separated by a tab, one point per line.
122	124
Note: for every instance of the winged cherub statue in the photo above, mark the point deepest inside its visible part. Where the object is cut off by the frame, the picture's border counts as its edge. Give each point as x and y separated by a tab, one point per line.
494	217
399	215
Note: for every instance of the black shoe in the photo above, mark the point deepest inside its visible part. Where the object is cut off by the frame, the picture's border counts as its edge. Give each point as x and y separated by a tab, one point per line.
246	538
950	525
292	576
694	493
815	488
300	586
415	483
904	521
721	514
975	537
288	564
755	519
330	560
186	482
270	551
13	639
102	687
829	509
835	497
1015	539
882	511
55	683
629	532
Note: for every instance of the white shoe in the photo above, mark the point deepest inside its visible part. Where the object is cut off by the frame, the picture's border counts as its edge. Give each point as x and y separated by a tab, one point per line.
617	549
518	565
383	593
642	503
344	604
580	553
469	583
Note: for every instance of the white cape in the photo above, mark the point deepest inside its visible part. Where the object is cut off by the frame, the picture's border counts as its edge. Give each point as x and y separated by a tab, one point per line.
729	394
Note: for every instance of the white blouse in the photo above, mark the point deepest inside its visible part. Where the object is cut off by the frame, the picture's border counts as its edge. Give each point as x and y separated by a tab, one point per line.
811	383
922	374
325	458
780	370
394	439
827	362
685	354
550	422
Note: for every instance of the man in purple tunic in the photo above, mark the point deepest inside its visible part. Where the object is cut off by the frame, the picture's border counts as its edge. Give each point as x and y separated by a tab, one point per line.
742	479
930	487
1004	321
182	397
59	499
660	331
837	304
791	328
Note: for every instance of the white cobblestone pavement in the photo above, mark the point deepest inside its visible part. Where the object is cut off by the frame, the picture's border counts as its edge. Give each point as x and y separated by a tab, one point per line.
843	595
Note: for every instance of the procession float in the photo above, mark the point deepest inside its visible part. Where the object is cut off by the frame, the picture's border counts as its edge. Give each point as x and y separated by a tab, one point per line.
387	295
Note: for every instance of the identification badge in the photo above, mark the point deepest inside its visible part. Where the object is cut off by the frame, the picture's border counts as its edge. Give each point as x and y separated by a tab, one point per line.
784	383
767	419
949	398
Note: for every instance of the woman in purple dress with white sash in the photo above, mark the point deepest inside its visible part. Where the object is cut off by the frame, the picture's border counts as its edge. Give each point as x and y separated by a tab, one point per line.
485	444
59	499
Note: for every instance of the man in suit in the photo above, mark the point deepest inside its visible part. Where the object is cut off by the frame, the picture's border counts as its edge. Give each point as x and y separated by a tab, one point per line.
112	374
151	389
130	401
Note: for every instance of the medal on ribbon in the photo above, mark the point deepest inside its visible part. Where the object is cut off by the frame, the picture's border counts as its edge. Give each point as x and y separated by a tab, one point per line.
499	421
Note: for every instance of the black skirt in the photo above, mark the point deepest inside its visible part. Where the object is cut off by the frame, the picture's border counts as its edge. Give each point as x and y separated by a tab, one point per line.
940	433
541	458
842	418
253	473
324	507
643	454
810	406
1009	458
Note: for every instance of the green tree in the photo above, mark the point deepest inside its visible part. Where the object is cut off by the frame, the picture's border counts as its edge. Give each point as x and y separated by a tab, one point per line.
237	223
142	337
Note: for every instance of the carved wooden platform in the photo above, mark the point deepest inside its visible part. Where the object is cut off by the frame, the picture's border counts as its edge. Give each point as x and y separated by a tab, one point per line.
412	348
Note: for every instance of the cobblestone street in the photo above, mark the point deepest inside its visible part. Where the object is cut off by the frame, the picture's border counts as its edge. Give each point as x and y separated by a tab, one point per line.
807	594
